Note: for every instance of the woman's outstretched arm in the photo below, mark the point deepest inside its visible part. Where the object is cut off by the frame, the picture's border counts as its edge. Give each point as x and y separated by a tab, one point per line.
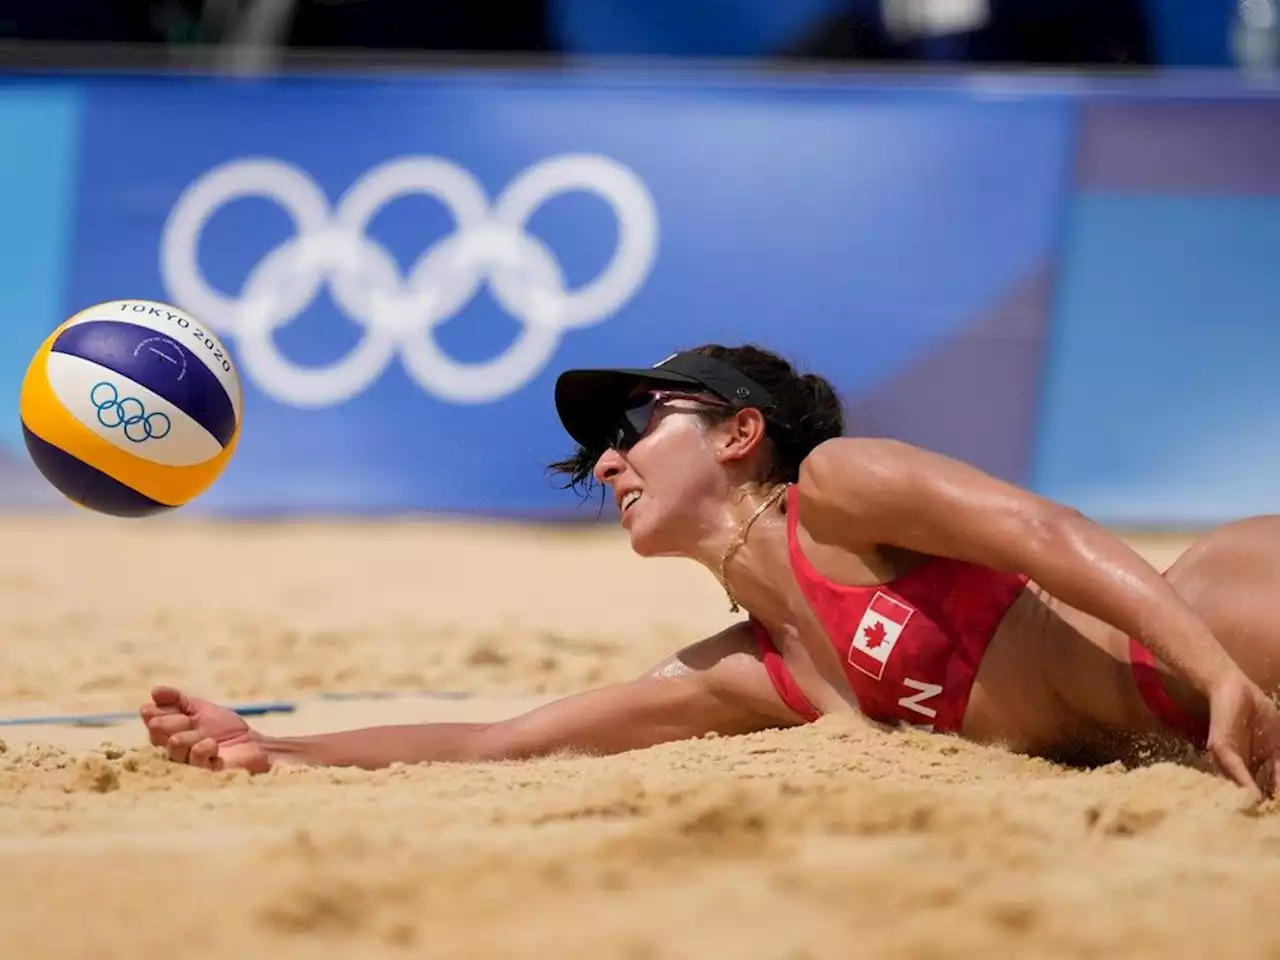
715	686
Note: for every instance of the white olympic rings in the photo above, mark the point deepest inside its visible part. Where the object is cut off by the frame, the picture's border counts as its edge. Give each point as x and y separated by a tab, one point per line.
400	314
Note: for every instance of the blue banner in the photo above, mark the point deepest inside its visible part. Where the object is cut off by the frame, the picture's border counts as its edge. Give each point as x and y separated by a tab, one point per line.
402	268
40	128
1067	285
1161	399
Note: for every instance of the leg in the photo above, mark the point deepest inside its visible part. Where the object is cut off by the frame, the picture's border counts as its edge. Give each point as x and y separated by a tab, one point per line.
1231	578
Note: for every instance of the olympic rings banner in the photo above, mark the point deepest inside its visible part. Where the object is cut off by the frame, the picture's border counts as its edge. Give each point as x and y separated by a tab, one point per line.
401	266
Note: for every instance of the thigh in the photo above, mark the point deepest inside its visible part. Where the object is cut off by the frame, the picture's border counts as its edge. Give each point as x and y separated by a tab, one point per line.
1231	578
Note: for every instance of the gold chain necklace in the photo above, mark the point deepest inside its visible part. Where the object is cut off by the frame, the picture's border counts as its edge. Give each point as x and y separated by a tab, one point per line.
736	543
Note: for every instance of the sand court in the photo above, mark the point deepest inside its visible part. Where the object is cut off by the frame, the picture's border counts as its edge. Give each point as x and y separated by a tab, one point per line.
825	841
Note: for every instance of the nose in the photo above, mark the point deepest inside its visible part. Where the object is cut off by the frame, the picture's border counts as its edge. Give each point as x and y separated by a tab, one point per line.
608	466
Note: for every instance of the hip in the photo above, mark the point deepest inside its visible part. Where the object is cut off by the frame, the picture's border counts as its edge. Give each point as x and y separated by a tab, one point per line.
1058	682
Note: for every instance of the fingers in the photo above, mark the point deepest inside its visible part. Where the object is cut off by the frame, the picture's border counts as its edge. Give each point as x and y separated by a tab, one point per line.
1233	766
1271	782
204	754
182	742
191	748
165	715
1266	778
178	747
164	700
165	696
163	726
169	725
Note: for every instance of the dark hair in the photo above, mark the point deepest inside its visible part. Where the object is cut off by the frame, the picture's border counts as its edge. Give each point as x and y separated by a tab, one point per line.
806	411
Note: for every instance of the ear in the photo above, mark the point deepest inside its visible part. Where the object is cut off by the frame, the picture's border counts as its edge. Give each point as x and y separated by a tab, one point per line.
740	436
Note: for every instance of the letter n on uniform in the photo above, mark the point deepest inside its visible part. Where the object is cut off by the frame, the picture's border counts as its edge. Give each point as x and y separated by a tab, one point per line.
878	633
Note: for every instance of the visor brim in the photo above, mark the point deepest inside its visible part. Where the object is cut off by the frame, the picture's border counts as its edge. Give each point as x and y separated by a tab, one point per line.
589	402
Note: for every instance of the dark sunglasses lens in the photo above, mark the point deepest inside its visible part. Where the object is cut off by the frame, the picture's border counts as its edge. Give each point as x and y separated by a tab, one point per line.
633	422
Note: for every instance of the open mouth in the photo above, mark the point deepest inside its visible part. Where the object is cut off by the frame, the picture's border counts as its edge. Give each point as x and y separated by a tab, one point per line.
629	499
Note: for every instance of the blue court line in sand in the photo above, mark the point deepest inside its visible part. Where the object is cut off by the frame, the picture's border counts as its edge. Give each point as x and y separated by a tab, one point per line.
396	695
244	710
107	719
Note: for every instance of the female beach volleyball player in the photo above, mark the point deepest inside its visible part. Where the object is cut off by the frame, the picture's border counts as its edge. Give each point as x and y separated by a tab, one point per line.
877	577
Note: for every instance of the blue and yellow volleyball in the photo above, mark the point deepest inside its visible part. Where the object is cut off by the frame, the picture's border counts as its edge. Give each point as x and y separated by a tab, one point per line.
131	408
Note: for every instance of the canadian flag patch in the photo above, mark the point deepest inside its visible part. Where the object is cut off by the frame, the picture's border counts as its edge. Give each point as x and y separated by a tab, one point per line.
878	633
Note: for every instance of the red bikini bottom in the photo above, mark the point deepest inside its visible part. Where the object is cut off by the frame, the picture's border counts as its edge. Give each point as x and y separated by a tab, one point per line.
1145	675
1158	701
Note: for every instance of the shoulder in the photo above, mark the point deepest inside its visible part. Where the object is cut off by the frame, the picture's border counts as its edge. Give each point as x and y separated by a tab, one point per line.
840	456
864	493
844	472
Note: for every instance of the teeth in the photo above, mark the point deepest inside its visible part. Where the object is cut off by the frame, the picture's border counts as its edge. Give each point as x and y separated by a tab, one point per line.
630	498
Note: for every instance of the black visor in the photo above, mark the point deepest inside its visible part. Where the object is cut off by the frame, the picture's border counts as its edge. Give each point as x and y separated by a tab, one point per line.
590	402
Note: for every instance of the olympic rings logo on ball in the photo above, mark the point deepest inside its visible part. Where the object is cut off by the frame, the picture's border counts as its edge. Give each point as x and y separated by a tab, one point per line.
400	314
128	413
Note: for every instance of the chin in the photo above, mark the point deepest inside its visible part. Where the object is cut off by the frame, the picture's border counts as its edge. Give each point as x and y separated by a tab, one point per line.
643	547
647	541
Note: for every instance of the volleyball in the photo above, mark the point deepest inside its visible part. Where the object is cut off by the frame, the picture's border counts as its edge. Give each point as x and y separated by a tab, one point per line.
131	408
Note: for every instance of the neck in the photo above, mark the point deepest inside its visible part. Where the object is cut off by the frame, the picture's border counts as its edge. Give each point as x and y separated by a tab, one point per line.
752	526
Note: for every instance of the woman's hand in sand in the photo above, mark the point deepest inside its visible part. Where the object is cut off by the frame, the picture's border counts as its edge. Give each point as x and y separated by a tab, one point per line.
201	733
1244	734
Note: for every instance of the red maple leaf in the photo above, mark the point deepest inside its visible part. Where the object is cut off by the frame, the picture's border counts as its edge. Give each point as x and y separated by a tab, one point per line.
875	635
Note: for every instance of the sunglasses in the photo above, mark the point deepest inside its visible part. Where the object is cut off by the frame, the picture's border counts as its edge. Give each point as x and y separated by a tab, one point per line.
639	411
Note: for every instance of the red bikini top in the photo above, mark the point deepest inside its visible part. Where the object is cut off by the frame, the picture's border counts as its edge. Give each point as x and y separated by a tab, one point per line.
911	647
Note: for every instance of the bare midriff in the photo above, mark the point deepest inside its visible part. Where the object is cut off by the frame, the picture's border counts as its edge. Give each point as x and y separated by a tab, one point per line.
1053	681
1057	681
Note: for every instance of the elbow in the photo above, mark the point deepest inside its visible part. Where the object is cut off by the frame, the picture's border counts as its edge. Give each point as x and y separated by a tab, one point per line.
513	739
1054	530
490	743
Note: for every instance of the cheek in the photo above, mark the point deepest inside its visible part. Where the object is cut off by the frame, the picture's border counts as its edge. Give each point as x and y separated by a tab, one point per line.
676	456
